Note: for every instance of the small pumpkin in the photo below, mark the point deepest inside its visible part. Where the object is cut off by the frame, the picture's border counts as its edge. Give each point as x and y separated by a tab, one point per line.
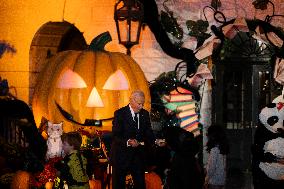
153	181
95	184
22	179
94	65
49	184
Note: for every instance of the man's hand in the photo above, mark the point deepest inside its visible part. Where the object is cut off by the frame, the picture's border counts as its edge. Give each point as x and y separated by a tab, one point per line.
160	142
133	143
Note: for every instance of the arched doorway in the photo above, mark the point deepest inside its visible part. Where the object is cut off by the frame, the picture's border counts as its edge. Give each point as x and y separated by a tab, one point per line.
50	39
244	85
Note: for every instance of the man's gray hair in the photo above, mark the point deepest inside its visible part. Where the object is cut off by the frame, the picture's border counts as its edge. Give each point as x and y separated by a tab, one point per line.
137	93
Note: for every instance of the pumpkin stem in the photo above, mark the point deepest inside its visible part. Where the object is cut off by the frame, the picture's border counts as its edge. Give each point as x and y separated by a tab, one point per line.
99	42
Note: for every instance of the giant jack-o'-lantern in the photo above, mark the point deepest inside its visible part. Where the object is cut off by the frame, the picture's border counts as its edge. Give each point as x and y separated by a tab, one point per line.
94	66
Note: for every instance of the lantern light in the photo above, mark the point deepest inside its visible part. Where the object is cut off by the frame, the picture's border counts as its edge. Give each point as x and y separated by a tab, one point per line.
128	16
94	99
116	81
69	80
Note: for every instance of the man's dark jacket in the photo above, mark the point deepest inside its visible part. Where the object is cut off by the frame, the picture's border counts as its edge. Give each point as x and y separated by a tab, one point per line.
124	128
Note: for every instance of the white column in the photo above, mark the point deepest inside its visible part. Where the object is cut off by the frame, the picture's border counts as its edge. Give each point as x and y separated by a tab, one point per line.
205	113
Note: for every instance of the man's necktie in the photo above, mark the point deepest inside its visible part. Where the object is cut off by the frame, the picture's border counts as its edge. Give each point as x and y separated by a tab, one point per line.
138	136
136	119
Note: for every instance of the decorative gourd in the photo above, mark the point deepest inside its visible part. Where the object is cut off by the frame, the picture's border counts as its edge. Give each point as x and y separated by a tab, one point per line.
95	184
153	181
21	180
94	66
49	184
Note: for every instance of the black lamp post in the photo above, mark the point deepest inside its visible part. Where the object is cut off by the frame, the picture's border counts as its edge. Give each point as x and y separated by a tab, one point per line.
128	16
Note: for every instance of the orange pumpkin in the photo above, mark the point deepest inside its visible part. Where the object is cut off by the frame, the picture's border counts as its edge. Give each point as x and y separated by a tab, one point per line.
95	184
153	181
94	66
49	184
21	180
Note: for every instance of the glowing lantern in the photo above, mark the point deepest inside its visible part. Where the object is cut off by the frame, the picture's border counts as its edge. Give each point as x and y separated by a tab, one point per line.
95	67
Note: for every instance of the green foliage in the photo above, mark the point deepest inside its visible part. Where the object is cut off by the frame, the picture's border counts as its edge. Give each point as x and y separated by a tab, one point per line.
162	85
198	30
260	4
18	157
6	47
4	87
6	179
216	4
9	149
227	47
170	24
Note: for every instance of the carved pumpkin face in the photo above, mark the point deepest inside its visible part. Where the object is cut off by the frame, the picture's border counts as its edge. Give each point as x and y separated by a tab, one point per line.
94	67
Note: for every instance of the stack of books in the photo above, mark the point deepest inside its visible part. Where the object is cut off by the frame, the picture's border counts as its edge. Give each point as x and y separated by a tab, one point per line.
179	95
181	102
178	106
189	120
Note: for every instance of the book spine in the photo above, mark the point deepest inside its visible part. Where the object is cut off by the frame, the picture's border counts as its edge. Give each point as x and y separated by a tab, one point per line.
180	91
188	120
173	105
195	131
185	114
184	108
180	100
191	126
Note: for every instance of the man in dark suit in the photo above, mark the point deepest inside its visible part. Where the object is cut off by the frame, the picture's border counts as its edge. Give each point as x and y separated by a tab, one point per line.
132	133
